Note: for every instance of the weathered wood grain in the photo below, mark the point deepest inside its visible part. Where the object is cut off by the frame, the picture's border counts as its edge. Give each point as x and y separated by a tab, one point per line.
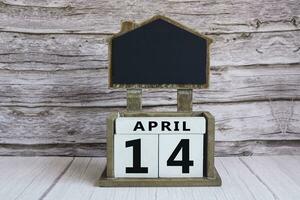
257	147
65	52
52	52
51	125
223	148
84	88
239	182
288	165
54	149
78	16
86	171
249	178
53	73
28	178
275	177
274	120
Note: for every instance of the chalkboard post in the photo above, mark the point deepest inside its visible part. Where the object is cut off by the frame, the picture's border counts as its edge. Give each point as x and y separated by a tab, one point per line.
134	99
184	100
159	53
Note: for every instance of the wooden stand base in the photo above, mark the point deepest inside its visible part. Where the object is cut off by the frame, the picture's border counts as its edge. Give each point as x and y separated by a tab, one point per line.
159	182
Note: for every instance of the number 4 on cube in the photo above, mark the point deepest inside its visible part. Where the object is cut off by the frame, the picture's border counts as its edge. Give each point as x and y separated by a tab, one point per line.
181	155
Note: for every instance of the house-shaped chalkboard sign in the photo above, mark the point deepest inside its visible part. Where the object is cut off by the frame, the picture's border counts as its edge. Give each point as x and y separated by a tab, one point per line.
159	53
142	147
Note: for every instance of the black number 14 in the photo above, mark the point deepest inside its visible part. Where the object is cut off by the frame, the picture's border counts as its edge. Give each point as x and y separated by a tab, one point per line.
185	163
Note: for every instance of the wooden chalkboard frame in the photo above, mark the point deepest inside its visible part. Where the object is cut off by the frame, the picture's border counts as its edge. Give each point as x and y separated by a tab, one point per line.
184	109
132	26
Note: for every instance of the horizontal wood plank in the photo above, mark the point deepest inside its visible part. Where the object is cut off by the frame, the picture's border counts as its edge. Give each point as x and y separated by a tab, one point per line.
58	149
223	148
234	122
65	52
85	88
78	16
257	147
240	128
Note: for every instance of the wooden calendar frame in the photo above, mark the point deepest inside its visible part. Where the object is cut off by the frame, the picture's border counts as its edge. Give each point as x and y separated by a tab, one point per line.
210	178
184	109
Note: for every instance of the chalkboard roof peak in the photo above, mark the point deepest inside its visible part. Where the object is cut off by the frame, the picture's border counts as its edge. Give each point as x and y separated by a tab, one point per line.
128	26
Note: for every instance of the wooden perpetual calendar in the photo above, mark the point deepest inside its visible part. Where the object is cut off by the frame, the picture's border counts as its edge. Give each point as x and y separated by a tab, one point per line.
159	148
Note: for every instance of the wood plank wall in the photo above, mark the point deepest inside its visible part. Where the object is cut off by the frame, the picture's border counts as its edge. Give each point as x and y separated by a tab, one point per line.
54	96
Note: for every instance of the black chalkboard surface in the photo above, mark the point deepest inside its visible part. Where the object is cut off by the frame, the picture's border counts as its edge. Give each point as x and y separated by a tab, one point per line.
158	54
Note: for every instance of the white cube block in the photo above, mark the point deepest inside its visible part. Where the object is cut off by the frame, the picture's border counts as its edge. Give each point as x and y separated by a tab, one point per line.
136	156
181	155
160	125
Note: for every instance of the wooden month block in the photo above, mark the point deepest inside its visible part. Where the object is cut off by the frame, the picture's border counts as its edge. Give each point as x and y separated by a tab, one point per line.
160	125
181	155
210	174
136	156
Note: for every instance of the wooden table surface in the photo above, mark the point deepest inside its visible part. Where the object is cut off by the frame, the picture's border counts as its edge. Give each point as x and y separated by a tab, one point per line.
273	177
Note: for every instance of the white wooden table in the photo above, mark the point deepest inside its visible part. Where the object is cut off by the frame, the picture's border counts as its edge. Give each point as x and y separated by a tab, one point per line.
276	177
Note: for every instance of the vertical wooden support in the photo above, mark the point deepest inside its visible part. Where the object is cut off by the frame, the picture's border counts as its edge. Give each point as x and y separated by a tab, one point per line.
185	100
134	99
209	142
110	144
